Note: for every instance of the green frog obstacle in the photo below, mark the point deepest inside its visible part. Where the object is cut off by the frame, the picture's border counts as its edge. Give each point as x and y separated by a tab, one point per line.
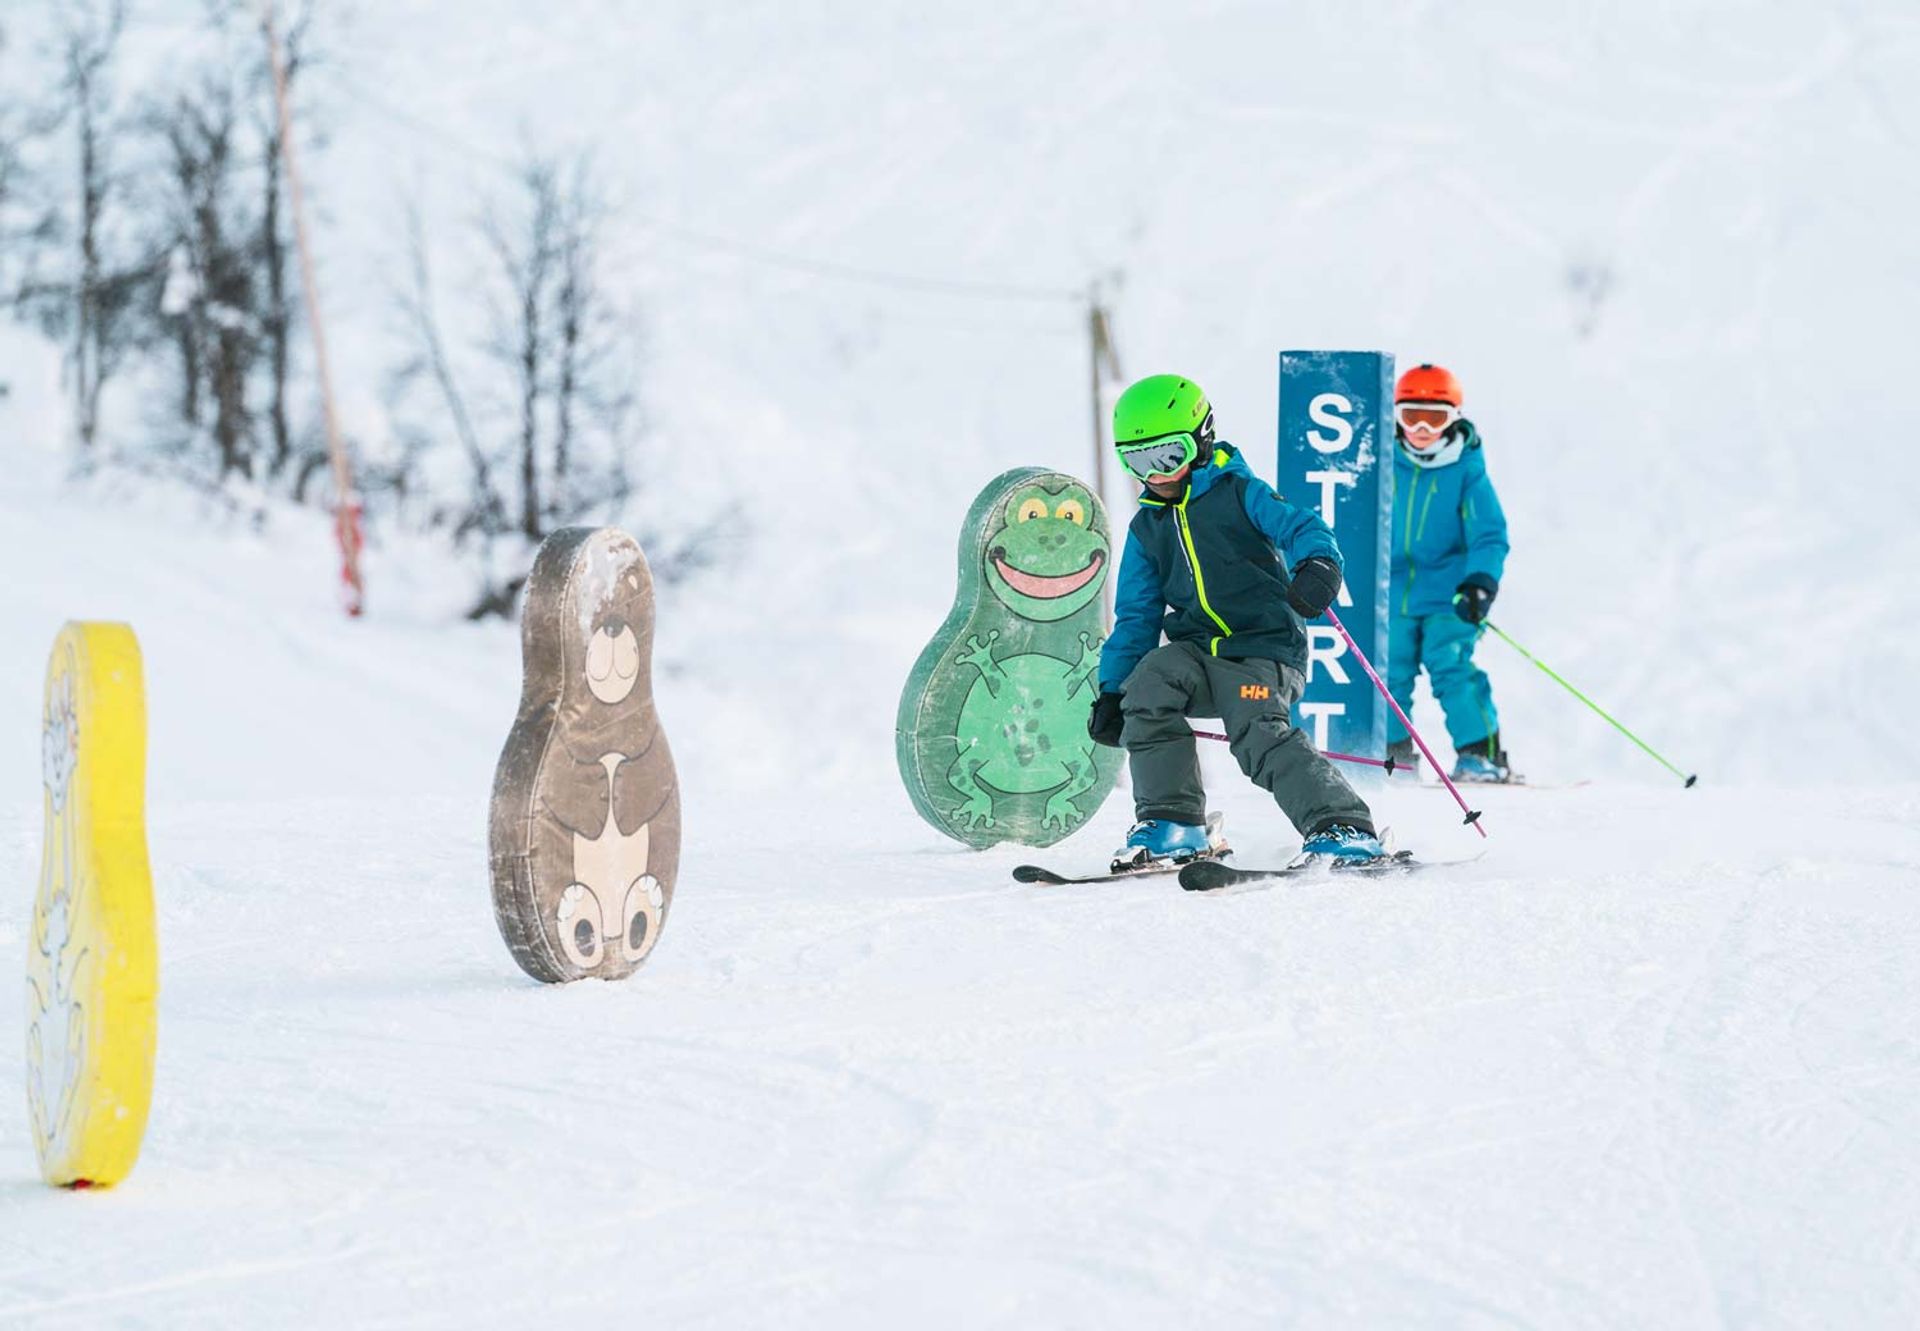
992	730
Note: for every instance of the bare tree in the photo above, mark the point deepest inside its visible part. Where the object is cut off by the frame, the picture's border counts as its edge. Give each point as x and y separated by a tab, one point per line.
171	247
211	300
540	454
524	240
98	298
593	355
277	314
483	512
12	170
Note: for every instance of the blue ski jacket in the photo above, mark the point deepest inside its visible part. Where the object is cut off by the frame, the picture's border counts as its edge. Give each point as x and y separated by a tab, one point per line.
1447	526
1213	568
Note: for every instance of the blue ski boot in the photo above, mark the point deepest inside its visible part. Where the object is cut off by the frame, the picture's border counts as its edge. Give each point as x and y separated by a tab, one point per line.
1483	762
1344	846
1156	841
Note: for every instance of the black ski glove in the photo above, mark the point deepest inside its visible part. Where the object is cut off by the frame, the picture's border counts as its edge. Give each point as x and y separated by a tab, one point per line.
1103	723
1474	597
1316	581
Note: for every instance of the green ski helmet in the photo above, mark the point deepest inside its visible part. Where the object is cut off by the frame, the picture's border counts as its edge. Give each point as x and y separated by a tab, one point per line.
1161	424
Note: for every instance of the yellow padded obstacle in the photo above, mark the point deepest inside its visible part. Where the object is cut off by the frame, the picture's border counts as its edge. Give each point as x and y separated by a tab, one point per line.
92	958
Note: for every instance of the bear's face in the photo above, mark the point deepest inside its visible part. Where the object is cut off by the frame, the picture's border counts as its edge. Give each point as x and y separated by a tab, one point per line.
613	661
607	665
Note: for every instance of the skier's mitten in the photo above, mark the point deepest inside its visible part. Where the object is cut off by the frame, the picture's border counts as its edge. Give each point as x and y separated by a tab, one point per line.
1473	598
1103	723
1316	581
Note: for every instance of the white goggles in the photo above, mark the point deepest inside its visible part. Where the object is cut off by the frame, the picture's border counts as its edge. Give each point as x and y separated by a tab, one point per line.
1436	416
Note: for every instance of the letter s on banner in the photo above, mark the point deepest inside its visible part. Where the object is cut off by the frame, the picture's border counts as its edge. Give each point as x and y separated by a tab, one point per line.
1324	411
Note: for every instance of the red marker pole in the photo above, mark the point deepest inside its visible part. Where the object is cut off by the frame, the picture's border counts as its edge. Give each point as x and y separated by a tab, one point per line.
346	508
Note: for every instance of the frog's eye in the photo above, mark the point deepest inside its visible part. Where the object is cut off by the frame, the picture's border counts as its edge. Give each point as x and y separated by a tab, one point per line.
1073	511
1032	508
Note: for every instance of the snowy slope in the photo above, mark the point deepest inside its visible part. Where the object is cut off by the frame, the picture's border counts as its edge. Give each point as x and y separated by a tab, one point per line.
1654	1060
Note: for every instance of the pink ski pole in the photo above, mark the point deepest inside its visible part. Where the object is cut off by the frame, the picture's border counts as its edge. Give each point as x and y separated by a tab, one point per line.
1473	815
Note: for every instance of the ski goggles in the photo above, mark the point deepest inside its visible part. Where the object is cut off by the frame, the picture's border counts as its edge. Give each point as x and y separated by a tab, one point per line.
1432	415
1159	457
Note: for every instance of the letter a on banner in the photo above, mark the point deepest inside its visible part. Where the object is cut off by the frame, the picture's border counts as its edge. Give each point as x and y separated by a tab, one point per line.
92	959
1336	457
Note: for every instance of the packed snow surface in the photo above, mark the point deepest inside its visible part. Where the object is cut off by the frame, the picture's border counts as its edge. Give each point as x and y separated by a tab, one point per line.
1651	1060
1644	1057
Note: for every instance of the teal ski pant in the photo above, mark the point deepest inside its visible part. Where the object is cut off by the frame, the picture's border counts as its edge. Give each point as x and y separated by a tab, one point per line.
1443	643
1253	699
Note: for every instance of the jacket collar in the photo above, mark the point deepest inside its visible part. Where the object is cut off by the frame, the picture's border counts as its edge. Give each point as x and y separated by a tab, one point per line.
1459	438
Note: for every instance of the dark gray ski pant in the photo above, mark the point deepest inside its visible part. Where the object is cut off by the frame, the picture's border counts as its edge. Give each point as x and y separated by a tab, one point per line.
1254	699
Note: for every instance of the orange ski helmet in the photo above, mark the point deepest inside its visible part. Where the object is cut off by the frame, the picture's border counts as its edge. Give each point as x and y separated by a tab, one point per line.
1428	383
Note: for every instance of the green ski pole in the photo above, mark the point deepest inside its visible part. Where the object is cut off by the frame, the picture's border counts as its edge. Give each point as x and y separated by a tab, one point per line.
1645	747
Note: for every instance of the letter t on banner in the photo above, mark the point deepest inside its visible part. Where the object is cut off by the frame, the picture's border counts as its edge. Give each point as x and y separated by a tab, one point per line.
1336	457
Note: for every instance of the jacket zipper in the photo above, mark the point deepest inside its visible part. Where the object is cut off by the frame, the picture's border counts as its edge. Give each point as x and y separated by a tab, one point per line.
1199	584
1433	483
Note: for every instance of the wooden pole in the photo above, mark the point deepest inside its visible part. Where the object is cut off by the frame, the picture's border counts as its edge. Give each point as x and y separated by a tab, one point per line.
1095	337
346	511
1103	363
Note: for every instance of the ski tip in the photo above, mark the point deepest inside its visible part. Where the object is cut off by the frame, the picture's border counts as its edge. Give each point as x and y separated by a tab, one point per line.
1206	875
1690	780
1033	873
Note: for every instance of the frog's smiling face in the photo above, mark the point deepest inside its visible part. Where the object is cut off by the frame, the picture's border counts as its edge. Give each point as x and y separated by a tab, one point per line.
1047	560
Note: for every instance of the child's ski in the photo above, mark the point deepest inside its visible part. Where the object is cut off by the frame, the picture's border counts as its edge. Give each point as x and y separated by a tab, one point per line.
1210	875
1514	783
1034	873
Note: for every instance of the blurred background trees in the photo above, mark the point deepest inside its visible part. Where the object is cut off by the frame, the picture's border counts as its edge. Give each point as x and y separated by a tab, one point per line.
145	229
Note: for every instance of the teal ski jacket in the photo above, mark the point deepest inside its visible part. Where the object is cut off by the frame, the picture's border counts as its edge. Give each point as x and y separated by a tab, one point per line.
1447	527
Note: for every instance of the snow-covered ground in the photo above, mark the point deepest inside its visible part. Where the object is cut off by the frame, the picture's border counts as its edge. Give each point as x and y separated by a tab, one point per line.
1652	1060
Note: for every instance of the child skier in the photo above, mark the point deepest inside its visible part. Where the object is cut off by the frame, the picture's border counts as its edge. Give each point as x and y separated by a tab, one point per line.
1449	551
1210	550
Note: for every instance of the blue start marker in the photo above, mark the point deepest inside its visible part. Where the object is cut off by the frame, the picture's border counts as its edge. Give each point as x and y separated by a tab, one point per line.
1336	441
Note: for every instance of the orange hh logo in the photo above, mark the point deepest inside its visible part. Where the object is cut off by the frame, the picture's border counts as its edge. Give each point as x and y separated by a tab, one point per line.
1257	692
